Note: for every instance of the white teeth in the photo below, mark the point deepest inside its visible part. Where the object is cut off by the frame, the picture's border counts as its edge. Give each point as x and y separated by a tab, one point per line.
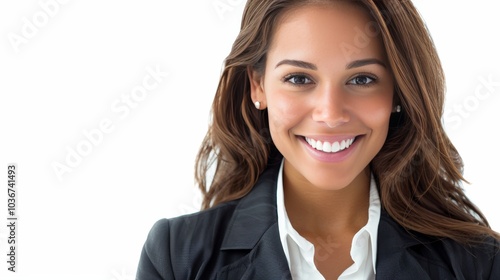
335	147
328	147
319	146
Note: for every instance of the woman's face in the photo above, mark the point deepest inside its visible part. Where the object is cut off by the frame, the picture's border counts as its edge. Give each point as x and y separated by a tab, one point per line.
328	90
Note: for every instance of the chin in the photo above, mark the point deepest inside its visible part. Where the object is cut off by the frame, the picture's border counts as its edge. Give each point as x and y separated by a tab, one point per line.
332	183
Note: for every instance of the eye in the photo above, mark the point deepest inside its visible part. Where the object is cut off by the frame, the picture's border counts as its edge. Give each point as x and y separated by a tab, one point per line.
362	80
297	79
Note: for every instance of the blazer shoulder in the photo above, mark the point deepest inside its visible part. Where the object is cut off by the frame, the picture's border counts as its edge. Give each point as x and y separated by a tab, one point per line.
474	261
195	225
485	257
173	245
431	257
495	256
188	225
154	262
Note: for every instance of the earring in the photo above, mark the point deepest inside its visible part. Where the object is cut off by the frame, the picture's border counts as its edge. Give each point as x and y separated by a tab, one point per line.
397	108
257	105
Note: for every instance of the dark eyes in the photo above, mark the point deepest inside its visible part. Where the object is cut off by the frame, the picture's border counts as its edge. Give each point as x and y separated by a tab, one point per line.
301	80
362	80
297	79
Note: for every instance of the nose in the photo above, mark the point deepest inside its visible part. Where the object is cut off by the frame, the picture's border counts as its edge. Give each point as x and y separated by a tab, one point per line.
331	107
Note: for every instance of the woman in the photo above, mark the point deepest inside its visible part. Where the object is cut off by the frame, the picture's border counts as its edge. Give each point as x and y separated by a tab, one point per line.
330	158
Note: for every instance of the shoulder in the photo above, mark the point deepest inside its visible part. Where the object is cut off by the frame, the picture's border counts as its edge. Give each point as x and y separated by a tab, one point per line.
438	258
480	260
473	261
207	217
205	243
202	229
207	224
172	244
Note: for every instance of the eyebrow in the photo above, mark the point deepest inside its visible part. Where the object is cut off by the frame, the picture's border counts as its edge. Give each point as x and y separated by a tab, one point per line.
311	66
363	62
298	63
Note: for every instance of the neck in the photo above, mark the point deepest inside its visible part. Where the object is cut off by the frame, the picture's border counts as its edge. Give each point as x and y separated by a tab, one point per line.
318	212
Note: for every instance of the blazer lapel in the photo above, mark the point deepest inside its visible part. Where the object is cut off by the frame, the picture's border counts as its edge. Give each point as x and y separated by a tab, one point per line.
265	261
394	257
254	227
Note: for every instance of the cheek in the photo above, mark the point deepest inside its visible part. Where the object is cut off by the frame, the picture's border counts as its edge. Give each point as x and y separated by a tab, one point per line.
377	113
284	110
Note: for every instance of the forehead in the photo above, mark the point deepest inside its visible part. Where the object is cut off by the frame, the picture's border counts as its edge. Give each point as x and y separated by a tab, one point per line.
340	30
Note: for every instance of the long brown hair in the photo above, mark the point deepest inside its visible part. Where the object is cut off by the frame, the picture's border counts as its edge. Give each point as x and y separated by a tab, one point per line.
418	170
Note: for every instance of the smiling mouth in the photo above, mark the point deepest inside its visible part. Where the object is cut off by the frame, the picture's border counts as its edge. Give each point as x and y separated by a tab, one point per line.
328	147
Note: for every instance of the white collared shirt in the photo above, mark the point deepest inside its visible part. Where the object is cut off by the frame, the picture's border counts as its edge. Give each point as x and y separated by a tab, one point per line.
299	251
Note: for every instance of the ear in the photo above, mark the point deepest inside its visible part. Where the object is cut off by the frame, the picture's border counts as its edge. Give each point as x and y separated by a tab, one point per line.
257	87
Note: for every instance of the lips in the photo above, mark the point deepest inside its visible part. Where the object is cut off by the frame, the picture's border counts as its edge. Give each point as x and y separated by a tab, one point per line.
330	147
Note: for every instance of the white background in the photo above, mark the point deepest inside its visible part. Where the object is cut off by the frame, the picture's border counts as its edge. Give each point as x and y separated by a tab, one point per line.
66	77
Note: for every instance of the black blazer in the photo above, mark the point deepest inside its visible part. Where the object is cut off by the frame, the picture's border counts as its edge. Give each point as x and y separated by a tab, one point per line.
240	240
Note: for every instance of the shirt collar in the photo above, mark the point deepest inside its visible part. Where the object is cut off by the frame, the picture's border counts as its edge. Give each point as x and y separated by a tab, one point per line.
286	229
